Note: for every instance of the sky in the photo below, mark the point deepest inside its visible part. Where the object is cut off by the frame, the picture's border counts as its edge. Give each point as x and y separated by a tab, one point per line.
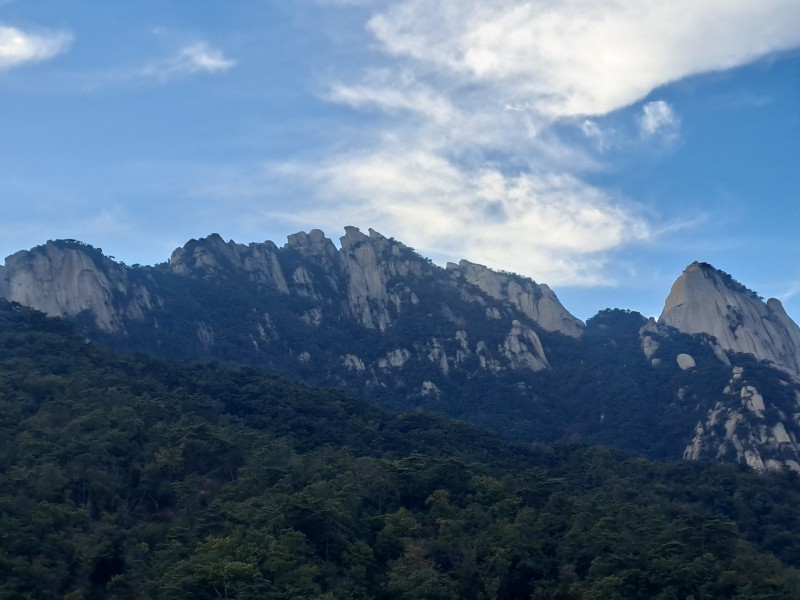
598	147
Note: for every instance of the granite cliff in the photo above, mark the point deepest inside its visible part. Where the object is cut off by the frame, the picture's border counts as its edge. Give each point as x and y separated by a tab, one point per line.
706	300
752	415
70	278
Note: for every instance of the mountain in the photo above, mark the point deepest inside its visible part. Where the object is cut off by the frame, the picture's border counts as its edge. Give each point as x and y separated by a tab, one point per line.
377	320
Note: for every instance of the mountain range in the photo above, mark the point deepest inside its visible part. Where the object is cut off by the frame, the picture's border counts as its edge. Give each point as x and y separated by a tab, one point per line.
716	376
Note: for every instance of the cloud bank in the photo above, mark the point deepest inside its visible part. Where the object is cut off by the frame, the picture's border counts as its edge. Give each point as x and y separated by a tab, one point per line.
18	47
574	57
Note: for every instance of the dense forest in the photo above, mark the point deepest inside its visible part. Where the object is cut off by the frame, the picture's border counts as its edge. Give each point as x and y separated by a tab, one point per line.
131	477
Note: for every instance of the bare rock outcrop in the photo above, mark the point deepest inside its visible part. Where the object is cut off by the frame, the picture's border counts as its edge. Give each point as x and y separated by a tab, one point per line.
749	427
67	278
536	301
214	256
369	262
685	361
705	300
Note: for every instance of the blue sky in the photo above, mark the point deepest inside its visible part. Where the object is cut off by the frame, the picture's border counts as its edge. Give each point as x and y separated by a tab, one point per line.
599	147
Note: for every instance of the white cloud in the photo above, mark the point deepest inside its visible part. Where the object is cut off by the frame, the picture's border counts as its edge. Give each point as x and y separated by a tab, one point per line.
465	159
657	118
600	136
18	47
387	91
538	224
202	57
191	59
574	57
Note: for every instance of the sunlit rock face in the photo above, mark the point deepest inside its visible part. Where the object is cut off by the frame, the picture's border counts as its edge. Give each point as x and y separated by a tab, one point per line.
536	301
68	278
705	300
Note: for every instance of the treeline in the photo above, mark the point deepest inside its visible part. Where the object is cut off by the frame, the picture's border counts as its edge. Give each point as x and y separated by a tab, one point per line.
137	478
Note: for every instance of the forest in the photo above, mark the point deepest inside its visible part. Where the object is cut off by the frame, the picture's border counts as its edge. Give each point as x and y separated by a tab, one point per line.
134	477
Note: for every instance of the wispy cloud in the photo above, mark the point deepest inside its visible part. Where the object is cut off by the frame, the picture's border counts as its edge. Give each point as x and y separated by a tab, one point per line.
387	91
195	58
18	47
791	292
658	118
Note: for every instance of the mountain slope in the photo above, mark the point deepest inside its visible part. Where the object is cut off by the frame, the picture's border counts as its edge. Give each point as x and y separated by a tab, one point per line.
141	479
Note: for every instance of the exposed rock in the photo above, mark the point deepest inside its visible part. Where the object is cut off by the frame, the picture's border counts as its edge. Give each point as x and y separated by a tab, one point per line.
686	362
396	359
315	246
752	400
738	428
650	346
523	348
67	278
369	262
205	334
312	317
429	389
493	313
536	301
353	363
213	256
705	300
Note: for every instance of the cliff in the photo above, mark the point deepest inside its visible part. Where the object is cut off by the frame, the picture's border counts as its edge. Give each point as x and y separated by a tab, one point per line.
706	300
69	278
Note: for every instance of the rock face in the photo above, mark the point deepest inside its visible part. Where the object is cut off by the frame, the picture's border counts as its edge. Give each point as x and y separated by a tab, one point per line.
213	257
685	361
749	427
68	278
705	300
536	301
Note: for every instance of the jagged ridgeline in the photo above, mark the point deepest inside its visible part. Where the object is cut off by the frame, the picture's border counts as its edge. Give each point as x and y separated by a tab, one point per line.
377	320
136	478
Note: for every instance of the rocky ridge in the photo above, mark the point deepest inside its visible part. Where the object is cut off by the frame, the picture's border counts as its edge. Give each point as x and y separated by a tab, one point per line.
371	281
376	319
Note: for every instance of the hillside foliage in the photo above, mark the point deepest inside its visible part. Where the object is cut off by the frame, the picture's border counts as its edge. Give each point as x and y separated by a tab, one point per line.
138	478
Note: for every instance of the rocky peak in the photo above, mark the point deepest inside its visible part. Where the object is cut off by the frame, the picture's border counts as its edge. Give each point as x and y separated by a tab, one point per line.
67	278
314	246
213	256
370	262
706	300
536	301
